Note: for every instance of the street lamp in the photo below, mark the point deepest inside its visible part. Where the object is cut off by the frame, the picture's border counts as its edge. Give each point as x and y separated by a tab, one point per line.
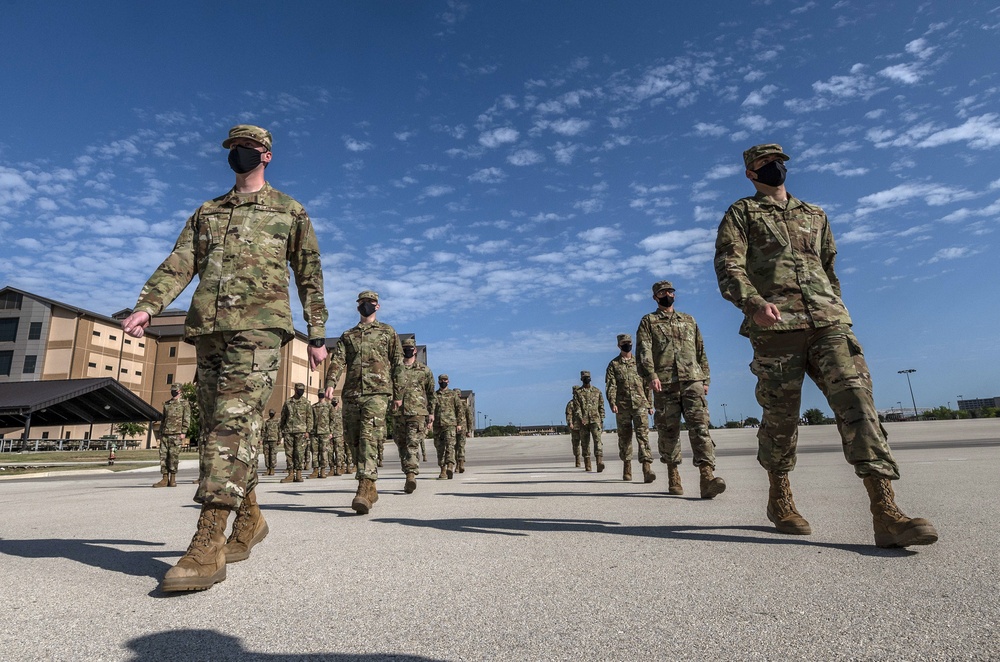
724	413
908	372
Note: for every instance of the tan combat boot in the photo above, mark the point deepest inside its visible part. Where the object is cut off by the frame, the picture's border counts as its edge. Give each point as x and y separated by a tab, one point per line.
314	474
600	463
627	471
781	507
647	472
366	497
674	480
711	485
577	462
411	483
298	477
450	470
892	527
586	464
171	480
204	564
461	466
322	472
162	482
270	472
289	477
249	528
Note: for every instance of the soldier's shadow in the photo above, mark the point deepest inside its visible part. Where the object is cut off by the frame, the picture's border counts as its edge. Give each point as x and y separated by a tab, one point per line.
719	534
97	553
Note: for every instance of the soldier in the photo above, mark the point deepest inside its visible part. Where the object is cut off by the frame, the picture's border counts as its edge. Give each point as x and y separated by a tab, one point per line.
591	403
672	358
271	437
468	424
447	419
240	245
630	404
416	385
774	259
339	459
370	354
319	440
173	429
574	424
296	422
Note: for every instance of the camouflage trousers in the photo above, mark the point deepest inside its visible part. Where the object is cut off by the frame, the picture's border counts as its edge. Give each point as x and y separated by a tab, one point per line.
297	442
362	418
444	444
588	432
319	444
287	446
270	455
381	432
687	398
460	438
574	438
834	360
338	454
236	375
629	421
407	431
170	452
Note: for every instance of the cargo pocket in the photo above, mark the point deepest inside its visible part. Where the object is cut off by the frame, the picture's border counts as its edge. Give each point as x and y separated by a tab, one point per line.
860	364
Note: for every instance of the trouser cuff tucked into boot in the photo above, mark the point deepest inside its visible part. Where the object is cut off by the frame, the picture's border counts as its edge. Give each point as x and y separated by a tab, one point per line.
711	485
204	564
781	507
249	528
892	527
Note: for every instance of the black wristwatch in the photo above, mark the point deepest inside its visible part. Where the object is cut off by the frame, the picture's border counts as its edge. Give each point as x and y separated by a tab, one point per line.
317	342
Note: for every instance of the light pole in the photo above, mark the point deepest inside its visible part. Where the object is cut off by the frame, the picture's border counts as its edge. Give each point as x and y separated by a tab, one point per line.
724	413
908	372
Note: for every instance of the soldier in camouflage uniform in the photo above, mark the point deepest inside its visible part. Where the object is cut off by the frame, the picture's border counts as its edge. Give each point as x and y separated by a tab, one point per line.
240	246
630	404
447	418
591	404
574	425
337	447
416	385
774	259
296	422
271	436
468	424
319	440
672	359
173	429
370	354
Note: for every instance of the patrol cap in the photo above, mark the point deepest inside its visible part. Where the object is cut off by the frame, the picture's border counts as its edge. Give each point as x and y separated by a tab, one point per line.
261	135
661	285
410	342
300	385
758	151
321	395
175	387
442	378
624	337
270	412
584	373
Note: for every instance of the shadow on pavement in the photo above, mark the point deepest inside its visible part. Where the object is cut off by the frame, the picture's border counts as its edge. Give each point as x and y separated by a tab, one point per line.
190	644
95	553
720	534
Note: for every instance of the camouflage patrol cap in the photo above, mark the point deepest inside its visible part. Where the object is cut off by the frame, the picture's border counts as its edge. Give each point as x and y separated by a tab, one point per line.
335	401
261	135
300	385
368	294
175	387
410	342
758	151
442	377
624	337
584	373
270	412
661	285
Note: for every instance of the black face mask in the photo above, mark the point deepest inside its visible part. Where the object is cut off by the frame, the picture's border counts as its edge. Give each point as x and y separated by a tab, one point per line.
299	393
174	393
772	174
366	308
586	381
443	385
243	159
626	347
409	352
666	300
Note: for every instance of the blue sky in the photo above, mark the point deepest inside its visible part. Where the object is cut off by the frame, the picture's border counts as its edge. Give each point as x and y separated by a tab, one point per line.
512	176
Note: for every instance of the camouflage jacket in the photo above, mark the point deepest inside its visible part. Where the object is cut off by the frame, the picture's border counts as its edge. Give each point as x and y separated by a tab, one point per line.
372	355
240	247
176	416
670	348
322	411
572	413
416	385
296	416
591	403
766	252
337	421
466	420
623	385
272	431
447	409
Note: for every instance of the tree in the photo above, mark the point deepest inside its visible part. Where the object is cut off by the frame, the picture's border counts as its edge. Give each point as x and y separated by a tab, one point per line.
750	422
814	417
190	393
131	429
941	413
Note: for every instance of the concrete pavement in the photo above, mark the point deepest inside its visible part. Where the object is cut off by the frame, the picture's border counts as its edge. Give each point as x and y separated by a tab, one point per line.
521	558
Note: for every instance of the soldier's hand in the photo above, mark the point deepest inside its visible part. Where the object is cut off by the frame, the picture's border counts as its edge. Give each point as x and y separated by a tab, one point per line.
458	428
614	409
706	389
316	356
329	393
767	316
655	385
397	404
136	323
430	419
650	411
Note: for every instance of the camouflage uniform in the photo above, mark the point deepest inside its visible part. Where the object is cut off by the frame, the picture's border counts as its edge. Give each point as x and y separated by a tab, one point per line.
416	385
176	418
320	439
447	414
625	390
574	423
296	422
370	353
670	348
467	422
240	246
591	403
339	457
272	437
783	253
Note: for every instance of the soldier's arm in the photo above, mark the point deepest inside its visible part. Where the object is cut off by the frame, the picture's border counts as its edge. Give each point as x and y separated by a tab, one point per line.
644	350
186	420
731	247
429	390
303	256
600	404
338	360
699	348
828	255
172	276
610	385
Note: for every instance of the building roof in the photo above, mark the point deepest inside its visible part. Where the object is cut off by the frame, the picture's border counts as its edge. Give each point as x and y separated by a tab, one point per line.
71	402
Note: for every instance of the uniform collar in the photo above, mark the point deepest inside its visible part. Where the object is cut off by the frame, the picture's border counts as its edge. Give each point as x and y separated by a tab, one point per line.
235	199
767	201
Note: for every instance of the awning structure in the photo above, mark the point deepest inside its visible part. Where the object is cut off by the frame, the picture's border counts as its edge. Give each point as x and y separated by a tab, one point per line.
71	402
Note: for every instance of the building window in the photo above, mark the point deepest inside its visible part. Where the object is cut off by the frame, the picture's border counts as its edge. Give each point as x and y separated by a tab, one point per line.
124	371
8	329
112	337
86	434
97	334
128	342
138	373
107	367
142	345
67	435
29	363
173	352
35	331
45	435
10	301
170	378
6	358
91	365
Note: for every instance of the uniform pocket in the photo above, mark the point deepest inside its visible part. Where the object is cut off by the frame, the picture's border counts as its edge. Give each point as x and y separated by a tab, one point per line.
266	360
766	367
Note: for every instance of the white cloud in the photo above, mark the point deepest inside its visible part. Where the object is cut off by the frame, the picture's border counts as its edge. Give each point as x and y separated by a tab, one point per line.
981	132
908	73
589	206
14	189
564	152
953	253
488	176
760	97
676	239
600	235
437	191
722	171
525	157
933	195
498	136
353	145
570	126
542	217
714	130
